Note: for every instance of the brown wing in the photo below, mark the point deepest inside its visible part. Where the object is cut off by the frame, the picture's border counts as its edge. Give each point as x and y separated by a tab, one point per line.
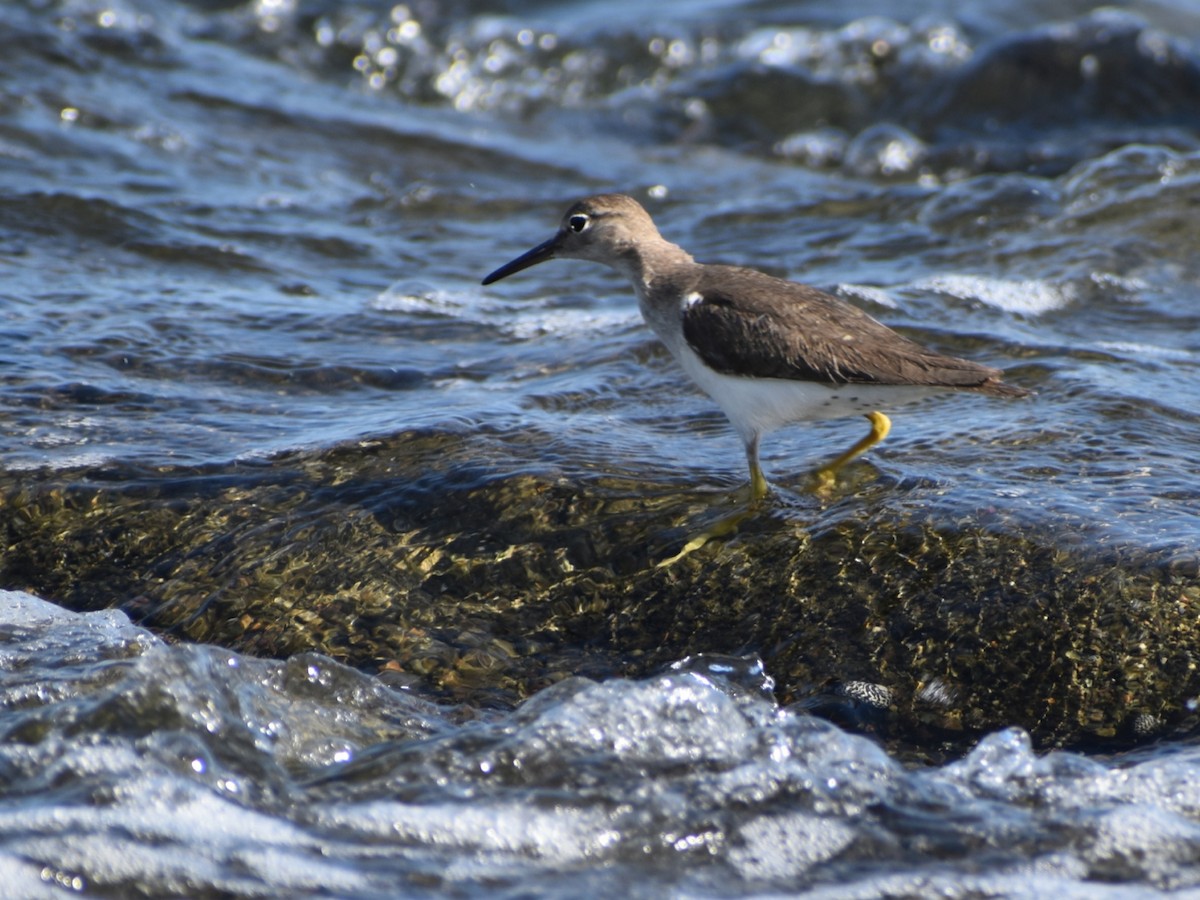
743	322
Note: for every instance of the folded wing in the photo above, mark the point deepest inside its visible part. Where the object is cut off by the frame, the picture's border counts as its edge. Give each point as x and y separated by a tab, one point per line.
742	322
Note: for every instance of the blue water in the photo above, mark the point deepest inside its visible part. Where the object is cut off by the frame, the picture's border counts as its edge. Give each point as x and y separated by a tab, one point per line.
131	768
232	230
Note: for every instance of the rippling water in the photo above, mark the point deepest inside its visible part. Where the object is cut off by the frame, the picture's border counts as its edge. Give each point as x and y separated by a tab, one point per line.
205	772
229	230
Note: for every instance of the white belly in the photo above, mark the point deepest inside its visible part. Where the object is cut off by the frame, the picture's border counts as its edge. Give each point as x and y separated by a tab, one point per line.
756	406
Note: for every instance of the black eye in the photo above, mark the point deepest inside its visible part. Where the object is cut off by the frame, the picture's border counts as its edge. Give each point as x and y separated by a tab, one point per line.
578	223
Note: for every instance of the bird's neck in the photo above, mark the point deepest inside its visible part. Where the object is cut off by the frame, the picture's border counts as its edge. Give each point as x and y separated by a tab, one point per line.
651	262
659	271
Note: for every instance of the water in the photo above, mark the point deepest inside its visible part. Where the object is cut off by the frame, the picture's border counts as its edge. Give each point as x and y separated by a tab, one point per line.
208	773
244	357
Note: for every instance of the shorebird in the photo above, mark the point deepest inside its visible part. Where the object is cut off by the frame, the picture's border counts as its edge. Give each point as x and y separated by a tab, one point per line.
769	352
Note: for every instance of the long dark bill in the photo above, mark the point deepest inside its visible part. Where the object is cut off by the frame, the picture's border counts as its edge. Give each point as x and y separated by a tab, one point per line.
540	253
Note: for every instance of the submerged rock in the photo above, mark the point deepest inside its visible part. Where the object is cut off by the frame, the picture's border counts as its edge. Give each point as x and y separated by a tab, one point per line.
414	559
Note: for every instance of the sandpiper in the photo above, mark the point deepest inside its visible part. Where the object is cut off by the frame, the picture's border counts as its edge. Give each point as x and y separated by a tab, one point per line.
768	351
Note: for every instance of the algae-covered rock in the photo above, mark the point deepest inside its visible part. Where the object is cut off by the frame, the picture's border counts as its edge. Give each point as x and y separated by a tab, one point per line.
414	558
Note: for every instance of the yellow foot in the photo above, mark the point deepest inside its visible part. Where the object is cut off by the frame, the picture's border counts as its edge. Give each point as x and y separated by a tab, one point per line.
823	480
825	477
720	529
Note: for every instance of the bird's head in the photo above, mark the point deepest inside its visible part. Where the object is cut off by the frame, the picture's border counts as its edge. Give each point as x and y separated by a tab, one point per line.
606	228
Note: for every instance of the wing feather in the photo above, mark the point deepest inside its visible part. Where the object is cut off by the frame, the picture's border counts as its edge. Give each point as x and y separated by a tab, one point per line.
743	322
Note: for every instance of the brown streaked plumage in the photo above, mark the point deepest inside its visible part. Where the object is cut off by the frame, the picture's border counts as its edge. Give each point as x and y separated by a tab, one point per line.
768	351
757	326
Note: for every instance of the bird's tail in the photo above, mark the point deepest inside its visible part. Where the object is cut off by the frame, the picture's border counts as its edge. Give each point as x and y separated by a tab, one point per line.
994	387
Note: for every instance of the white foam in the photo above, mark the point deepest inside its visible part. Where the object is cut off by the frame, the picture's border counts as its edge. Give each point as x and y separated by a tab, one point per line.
171	834
875	295
418	297
569	323
19	609
562	835
1142	350
787	845
181	769
522	321
1030	297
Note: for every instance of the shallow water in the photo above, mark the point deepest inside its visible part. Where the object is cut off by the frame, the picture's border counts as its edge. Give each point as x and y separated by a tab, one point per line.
223	242
231	230
133	767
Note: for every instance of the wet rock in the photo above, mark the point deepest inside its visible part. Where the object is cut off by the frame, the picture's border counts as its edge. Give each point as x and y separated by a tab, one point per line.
414	559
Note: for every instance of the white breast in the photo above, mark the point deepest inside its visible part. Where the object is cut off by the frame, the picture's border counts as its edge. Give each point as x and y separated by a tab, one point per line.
757	406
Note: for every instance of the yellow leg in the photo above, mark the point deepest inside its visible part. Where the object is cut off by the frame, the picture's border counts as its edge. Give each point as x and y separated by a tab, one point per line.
758	482
880	426
729	524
